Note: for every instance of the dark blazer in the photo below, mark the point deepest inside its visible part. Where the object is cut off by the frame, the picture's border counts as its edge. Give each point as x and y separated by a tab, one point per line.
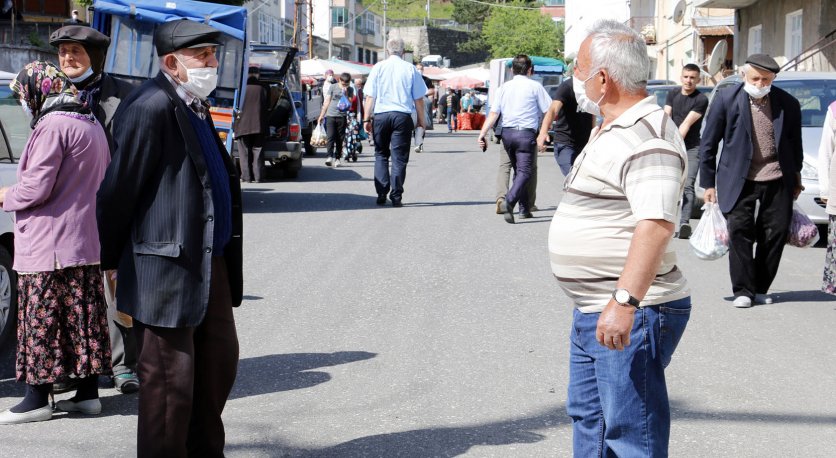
730	119
155	212
113	91
252	120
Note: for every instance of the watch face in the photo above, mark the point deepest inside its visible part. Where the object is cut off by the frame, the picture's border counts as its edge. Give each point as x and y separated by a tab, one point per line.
622	296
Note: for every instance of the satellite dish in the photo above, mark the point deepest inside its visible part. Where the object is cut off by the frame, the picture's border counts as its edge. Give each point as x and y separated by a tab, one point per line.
718	55
678	11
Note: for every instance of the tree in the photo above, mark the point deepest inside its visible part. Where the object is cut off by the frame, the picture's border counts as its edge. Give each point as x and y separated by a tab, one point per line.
467	12
511	31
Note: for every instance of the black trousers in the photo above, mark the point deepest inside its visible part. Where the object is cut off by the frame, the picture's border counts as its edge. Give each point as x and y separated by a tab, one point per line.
249	156
335	130
186	375
752	271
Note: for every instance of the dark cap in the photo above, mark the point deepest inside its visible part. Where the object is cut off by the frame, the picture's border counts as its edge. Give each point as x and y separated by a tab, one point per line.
86	36
184	33
763	62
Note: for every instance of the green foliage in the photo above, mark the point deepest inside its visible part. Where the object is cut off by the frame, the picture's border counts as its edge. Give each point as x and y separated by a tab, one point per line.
35	40
85	3
411	9
509	31
466	12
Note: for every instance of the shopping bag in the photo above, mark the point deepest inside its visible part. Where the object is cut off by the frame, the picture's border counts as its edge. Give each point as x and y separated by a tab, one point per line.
318	137
710	239
803	232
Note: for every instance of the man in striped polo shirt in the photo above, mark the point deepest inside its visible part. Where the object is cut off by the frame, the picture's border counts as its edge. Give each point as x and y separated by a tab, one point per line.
608	244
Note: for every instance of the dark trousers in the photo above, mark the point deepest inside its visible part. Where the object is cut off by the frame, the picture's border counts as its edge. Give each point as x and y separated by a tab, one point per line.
565	155
186	375
392	137
249	156
335	129
753	275
521	147
688	194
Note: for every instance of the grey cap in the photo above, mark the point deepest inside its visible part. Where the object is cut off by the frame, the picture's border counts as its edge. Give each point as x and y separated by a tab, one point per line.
181	34
764	62
81	34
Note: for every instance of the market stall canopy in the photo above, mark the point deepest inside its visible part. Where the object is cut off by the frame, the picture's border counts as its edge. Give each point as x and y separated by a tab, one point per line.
437	73
316	68
544	64
462	82
359	68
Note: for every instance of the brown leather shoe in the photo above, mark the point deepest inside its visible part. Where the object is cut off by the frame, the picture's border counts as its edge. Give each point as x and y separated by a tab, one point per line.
499	207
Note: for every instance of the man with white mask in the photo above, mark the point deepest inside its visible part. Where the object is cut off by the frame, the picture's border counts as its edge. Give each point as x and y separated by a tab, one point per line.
609	246
759	168
169	218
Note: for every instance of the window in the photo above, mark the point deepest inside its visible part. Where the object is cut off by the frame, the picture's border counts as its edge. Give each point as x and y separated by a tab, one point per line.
755	39
339	17
270	29
792	45
359	54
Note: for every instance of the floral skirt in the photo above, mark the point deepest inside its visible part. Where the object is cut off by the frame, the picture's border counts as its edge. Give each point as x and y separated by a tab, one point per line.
62	325
829	280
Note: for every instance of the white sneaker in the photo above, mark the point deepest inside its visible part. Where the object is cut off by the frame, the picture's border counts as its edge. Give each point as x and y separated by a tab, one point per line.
339	163
742	302
10	418
763	299
329	161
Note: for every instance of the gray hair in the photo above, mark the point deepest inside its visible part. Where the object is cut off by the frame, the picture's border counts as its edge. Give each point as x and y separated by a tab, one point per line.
620	50
395	46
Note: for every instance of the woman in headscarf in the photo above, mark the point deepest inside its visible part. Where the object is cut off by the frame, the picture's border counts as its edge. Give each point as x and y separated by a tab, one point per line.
62	317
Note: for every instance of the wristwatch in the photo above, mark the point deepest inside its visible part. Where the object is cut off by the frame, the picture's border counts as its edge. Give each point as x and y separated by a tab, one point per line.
623	297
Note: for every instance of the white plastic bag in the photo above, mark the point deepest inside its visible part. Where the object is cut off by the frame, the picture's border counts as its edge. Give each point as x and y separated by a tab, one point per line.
710	239
803	232
318	137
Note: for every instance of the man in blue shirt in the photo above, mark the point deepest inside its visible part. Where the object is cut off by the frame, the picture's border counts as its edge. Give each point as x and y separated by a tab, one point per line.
394	90
521	102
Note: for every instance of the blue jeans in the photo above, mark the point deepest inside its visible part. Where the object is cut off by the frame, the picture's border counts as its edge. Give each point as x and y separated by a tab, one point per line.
618	400
392	137
565	156
452	121
688	196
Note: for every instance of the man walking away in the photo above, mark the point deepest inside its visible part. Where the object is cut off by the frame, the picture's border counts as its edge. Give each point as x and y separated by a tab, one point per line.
394	90
609	250
169	217
759	168
572	130
251	127
452	110
686	106
521	102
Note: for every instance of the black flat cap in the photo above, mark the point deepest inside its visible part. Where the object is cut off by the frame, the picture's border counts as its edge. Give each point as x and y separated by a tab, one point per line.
763	62
86	36
184	33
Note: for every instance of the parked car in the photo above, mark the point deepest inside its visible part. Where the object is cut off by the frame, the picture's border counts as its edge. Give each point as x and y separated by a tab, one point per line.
815	91
661	92
14	131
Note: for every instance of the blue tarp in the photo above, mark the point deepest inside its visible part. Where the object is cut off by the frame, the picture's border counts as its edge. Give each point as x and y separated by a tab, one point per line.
231	20
543	64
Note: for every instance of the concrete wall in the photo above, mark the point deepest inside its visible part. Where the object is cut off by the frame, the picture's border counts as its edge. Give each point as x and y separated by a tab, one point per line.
14	57
819	19
444	42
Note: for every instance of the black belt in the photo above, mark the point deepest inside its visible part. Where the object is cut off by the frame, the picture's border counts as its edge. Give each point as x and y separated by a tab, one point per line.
527	129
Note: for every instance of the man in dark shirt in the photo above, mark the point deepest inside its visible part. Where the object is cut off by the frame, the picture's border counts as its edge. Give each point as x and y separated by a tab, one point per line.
572	130
452	110
686	106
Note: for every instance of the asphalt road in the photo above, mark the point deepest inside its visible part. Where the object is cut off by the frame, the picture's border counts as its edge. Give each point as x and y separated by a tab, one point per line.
437	330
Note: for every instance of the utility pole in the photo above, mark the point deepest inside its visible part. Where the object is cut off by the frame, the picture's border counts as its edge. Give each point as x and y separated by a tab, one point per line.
428	13
310	30
330	26
385	35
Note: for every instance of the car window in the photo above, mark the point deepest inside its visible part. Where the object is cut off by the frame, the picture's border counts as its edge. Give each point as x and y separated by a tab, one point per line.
814	96
15	125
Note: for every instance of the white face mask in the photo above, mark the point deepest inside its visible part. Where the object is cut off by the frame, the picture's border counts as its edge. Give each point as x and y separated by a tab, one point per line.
756	92
83	76
202	81
584	103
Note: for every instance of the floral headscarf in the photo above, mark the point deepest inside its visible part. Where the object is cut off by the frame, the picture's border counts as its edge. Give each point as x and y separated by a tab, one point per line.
42	87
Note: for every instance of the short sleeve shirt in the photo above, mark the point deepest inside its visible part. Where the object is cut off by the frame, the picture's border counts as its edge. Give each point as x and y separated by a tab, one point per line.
681	105
521	102
573	127
335	93
633	170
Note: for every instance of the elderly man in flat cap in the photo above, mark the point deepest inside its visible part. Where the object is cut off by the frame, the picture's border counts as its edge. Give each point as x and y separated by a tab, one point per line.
81	56
760	126
169	213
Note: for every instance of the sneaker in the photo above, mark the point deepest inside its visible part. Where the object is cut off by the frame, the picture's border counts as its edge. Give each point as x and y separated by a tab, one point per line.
126	383
338	163
329	161
685	231
88	407
763	299
742	302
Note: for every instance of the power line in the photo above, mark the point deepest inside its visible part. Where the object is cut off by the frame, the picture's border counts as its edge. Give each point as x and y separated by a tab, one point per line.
503	5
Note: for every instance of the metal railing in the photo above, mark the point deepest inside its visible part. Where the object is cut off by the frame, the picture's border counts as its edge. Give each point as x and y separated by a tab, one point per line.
812	51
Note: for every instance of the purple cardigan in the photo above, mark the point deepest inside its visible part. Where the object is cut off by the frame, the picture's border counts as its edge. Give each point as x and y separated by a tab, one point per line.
54	199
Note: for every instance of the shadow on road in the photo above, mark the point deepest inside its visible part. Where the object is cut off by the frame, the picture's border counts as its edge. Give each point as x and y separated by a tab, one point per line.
270	201
437	442
275	373
683	412
812	295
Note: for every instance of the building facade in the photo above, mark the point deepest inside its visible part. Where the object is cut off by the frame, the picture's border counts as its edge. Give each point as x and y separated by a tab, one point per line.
355	33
